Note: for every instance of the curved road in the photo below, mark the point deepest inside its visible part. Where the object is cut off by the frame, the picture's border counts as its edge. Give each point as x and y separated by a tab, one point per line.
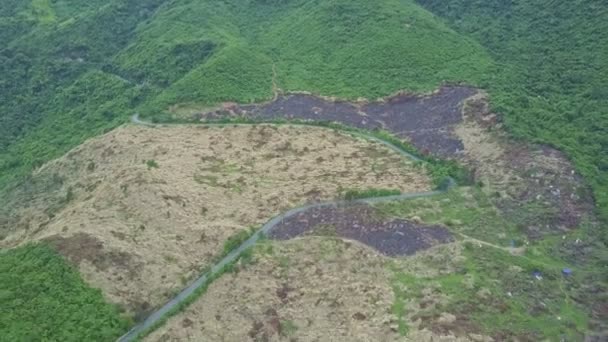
234	255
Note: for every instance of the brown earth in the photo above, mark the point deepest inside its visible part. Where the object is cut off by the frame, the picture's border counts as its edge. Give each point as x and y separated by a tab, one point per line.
143	210
306	289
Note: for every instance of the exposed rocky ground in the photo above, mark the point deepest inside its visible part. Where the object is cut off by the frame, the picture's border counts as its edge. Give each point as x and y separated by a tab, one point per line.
141	210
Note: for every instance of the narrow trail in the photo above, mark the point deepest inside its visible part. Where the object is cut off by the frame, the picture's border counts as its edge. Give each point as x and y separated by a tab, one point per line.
159	314
513	250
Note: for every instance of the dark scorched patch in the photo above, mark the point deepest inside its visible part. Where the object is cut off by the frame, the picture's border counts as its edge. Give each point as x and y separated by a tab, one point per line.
359	222
426	120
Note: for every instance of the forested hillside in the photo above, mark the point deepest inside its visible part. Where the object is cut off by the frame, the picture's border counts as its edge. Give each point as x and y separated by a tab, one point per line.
553	81
45	299
74	69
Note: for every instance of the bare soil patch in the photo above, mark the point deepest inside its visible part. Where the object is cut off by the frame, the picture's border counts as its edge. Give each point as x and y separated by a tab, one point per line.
361	223
141	211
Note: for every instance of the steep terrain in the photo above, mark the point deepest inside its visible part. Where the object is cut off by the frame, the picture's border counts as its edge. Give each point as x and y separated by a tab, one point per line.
310	289
552	83
89	68
529	213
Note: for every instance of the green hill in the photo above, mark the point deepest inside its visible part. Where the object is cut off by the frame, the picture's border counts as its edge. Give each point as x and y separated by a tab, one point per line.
82	68
553	82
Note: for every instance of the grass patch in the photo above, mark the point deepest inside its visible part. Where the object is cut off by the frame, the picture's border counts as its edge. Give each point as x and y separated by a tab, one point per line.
466	210
42	11
236	240
151	164
206	179
492	291
288	328
497	295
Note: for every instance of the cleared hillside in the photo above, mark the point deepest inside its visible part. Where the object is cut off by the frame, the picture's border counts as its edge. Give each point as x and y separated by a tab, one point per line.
142	211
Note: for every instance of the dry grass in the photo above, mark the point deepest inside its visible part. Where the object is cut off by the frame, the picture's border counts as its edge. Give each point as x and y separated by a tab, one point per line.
158	204
309	289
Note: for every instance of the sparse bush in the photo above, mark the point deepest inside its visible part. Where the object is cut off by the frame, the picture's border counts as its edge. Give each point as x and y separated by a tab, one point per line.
288	328
152	164
91	166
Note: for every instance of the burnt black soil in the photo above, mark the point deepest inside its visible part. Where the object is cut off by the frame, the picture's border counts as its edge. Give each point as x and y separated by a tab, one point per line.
425	120
360	222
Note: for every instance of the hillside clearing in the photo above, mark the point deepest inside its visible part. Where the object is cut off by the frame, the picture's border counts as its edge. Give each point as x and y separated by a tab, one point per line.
143	210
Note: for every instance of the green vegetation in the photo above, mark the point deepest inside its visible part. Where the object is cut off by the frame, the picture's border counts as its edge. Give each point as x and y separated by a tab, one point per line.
440	169
353	194
552	80
73	69
152	164
288	328
493	291
43	298
465	210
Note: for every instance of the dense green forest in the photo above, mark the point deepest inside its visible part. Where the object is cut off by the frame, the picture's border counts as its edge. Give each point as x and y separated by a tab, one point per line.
552	84
44	299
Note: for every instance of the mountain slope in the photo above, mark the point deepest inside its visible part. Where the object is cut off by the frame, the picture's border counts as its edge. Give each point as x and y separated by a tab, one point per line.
553	83
148	55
